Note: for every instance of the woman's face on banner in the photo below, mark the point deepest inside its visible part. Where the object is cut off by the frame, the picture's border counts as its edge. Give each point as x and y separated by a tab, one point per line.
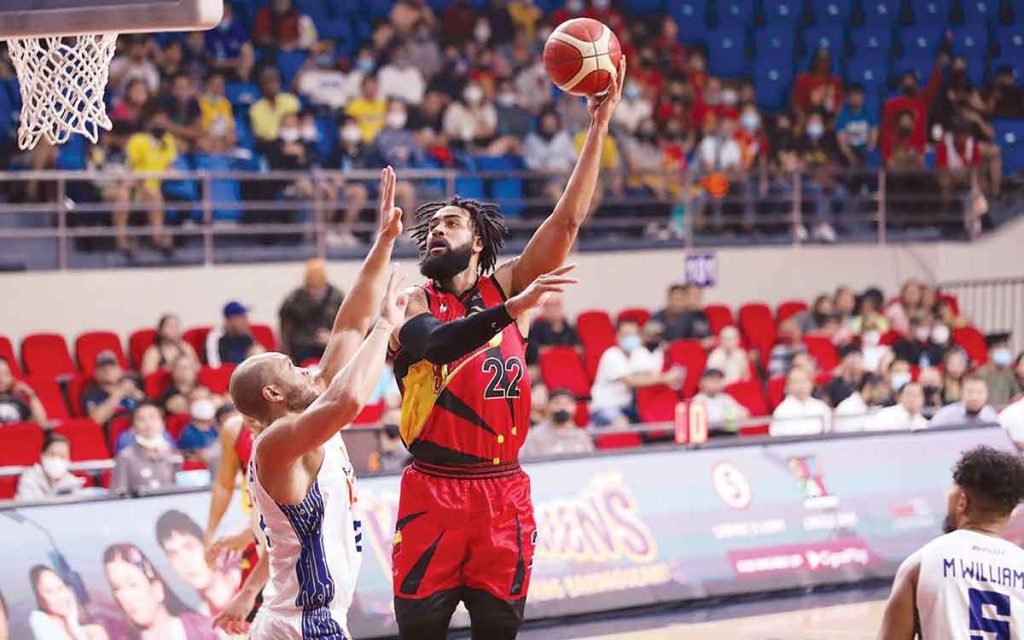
138	596
55	596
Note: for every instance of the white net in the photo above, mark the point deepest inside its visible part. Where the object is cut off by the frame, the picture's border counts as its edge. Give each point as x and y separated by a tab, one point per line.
62	81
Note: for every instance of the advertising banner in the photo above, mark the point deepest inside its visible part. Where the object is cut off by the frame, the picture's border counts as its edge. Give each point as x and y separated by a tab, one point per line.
614	531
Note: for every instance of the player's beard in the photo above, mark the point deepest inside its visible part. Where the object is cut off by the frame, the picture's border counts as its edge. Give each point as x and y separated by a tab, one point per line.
301	397
949	523
447	265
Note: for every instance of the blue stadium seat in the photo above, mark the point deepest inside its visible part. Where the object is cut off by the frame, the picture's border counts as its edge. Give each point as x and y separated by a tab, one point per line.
72	154
930	11
971	42
1010	137
775	38
1010	39
832	11
469	187
772	79
922	40
241	94
921	66
979	11
826	36
225	194
736	11
646	7
506	192
439	5
692	18
339	29
315	9
881	13
872	40
870	71
243	132
376	9
288	64
727	51
187	190
791	11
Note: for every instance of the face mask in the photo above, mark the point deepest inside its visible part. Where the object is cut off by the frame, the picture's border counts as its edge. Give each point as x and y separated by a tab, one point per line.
1002	357
396	119
940	334
561	416
482	32
908	90
652	345
542	35
645	135
906	130
921	334
815	130
729	97
351	134
325	60
750	121
150	443
289	135
631	91
506	100
930	390
202	410
629	343
310	133
473	94
158	132
392	431
55	468
899	379
365	66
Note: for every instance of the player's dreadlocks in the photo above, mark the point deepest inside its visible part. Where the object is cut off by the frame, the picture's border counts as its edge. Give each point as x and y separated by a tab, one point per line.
488	223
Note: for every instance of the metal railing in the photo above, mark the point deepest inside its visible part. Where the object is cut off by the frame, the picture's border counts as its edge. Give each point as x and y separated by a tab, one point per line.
994	305
216	210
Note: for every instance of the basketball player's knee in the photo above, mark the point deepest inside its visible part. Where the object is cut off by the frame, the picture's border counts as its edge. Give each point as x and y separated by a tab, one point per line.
426	617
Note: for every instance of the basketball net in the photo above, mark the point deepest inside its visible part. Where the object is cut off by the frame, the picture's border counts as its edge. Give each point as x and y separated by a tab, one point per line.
62	81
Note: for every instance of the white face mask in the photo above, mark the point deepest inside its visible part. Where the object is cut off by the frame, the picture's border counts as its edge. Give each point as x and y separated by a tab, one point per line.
940	334
289	134
203	409
310	133
921	334
150	443
473	94
729	97
55	468
482	32
871	338
351	134
396	119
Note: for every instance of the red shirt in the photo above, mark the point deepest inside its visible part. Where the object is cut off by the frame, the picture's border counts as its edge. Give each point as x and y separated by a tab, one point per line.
806	83
275	29
918	105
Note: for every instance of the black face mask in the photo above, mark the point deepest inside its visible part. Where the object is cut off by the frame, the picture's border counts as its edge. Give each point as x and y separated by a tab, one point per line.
906	130
561	416
392	431
651	346
448	264
931	390
158	132
909	90
970	413
645	136
547	135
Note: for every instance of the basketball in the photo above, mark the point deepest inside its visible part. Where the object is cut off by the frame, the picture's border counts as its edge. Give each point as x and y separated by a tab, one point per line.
582	56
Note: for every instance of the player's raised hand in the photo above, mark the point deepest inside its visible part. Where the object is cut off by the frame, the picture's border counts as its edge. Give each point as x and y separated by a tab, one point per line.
392	307
534	295
390	225
601	107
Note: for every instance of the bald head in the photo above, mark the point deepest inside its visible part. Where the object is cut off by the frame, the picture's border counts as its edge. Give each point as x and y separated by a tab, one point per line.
268	385
248	381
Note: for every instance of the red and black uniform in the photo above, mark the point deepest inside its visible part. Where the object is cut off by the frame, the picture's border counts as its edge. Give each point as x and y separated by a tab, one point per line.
465	526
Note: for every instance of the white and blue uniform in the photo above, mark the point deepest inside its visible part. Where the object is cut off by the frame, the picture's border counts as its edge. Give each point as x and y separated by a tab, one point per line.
315	551
971	587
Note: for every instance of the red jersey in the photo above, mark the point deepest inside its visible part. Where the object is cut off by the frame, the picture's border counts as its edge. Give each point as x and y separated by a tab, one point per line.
243	447
475	410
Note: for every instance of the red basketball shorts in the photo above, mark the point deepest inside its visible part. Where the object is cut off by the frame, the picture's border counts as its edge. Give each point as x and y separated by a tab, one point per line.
464	528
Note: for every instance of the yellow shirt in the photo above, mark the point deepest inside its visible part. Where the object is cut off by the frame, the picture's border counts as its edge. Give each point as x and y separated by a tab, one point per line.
215	110
266	117
369	114
146	153
609	151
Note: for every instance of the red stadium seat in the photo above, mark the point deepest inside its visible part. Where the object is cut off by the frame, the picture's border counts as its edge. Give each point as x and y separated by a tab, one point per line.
889	338
595	327
7	353
264	335
114	429
776	391
156	383
51	396
973	342
196	336
8	487
75	388
216	379
47	354
582	417
562	368
954	304
636	314
691	355
758	326
719	316
656	403
371	414
823	351
750	394
789	309
88	345
175	423
138	342
20	444
618	441
86	438
193	464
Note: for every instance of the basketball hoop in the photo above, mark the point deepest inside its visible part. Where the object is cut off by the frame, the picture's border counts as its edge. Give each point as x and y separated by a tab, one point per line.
62	81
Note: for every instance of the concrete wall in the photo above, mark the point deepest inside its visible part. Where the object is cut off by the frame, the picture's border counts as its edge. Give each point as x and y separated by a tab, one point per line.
124	300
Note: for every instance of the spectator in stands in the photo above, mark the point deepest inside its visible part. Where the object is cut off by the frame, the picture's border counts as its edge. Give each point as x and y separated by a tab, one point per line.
153	150
901	151
930	379
998	373
228	47
322	83
720	159
800	413
1012	419
722	409
279	25
847	376
550	149
291	152
905	414
401	79
111	392
869	307
957	157
973	409
369	109
533	87
955	367
60	615
650	356
216	117
818	85
147	601
182	540
183	112
790	342
729	357
128	112
1018	372
916	346
472	123
856	129
307	314
391	454
853	412
1006	97
898	372
108	159
612	402
874	351
634	108
820	313
818	154
352	154
148	462
267	112
51	477
134	62
898	129
909	304
513	120
683	316
557	435
198	440
538	403
232	342
18	401
184	385
551	329
167	346
396	145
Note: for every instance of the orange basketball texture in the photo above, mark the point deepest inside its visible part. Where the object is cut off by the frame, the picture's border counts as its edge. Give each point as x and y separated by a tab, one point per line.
582	56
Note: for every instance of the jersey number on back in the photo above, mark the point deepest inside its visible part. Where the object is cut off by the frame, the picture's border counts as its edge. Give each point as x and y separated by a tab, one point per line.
999	604
509	369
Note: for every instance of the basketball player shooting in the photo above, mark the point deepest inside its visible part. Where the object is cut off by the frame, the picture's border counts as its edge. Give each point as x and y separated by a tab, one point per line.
300	477
969	583
465	527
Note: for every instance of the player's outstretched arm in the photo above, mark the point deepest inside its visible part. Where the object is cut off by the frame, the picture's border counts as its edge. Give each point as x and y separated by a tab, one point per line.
360	305
553	240
898	621
227	473
346	395
233	618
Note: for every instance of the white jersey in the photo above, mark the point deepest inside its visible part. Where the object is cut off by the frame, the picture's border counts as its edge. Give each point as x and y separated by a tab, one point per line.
315	551
971	587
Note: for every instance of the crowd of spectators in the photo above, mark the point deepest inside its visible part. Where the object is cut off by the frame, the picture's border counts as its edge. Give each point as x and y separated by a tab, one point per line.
428	89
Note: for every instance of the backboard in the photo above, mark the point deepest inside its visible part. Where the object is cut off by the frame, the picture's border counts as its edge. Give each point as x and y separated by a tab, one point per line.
37	18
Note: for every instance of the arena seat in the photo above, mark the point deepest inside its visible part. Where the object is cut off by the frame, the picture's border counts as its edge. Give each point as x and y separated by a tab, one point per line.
692	18
175	423
889	338
736	12
636	314
822	349
562	368
930	11
7	353
719	316
758	327
20	443
75	388
89	344
773	76
881	13
156	383
1010	39
656	403
618	441
779	11
750	394
727	50
264	334
776	391
50	394
832	11
971	42
775	39
690	355
138	342
827	36
47	354
216	379
196	336
8	487
973	342
371	414
114	429
789	308
980	12
876	40
86	439
921	40
596	333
